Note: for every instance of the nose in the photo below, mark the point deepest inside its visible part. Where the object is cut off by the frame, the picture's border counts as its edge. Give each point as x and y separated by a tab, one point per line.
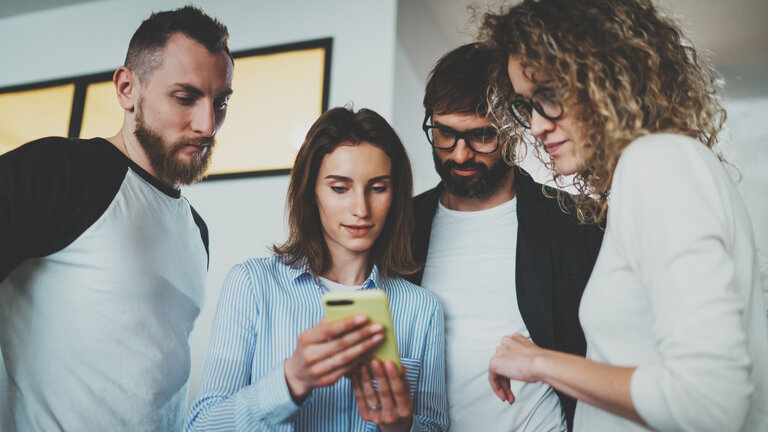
540	125
360	207
204	120
462	152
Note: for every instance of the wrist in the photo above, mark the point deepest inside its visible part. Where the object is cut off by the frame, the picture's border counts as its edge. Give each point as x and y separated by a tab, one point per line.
402	425
541	364
296	388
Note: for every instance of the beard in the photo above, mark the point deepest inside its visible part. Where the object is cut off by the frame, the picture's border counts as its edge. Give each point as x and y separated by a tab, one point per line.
476	186
162	155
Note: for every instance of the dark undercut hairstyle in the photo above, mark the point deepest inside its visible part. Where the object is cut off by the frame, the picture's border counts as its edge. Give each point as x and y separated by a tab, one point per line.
145	49
391	252
459	81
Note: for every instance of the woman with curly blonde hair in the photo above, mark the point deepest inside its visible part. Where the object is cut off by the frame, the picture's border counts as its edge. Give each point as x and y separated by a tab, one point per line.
673	313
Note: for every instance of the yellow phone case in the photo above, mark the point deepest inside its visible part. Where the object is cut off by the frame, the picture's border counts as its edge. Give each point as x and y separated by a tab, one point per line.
372	303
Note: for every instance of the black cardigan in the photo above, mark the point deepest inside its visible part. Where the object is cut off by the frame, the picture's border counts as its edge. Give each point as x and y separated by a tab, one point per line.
555	256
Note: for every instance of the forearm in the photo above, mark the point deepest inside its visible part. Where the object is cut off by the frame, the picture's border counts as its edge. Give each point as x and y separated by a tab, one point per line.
603	386
258	406
430	399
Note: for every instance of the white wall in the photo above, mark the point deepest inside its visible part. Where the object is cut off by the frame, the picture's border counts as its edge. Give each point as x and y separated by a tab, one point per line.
745	144
420	43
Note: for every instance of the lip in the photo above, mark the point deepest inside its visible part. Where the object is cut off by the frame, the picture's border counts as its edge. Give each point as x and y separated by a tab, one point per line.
464	173
358	230
198	148
552	147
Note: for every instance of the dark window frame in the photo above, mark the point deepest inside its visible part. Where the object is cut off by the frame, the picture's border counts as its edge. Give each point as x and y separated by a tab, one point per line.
82	82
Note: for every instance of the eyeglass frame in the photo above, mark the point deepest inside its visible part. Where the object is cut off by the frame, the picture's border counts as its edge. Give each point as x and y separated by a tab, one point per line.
459	135
531	105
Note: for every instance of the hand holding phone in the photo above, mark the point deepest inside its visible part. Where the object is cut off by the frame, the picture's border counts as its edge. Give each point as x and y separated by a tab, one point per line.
373	304
326	352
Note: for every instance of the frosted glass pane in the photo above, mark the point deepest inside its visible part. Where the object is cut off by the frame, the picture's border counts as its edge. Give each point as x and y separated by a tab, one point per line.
31	114
276	99
102	115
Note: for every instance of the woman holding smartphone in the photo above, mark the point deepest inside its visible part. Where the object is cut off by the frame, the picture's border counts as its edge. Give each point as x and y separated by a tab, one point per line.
273	362
673	312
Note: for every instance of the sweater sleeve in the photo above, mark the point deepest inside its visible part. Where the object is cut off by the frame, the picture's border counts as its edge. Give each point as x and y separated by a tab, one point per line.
229	398
675	232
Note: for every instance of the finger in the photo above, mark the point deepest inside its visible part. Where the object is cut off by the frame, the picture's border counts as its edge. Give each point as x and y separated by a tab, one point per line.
384	387
496	386
354	337
323	331
324	358
400	388
505	386
328	330
348	358
322	348
369	392
357	389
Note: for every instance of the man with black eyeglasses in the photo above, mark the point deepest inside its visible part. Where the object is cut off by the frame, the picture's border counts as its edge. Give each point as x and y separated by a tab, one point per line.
502	257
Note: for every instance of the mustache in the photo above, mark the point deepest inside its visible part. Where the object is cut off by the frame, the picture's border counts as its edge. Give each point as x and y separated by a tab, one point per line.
196	141
450	164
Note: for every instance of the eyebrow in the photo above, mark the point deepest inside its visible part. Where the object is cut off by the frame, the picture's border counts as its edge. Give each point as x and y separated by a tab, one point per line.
347	179
538	89
480	129
197	92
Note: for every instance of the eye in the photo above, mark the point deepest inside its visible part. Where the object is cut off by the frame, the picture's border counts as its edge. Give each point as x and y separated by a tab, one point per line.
221	104
447	134
546	97
338	189
379	187
482	136
186	101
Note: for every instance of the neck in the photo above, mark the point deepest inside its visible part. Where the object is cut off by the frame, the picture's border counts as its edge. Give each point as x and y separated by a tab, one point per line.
503	192
348	268
127	143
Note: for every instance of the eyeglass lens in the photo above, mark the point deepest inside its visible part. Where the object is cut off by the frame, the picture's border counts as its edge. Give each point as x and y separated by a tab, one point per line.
544	101
481	140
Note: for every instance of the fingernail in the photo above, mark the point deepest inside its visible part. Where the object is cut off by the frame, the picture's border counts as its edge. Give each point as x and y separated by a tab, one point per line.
377	337
360	319
376	327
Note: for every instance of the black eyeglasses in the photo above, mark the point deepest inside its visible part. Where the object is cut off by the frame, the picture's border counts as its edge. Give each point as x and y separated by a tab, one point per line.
544	101
483	140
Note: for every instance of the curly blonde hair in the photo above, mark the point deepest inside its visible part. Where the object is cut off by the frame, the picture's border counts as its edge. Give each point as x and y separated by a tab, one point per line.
630	69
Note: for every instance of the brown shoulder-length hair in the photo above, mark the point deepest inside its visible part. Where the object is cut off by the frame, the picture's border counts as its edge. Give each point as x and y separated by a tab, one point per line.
391	252
628	66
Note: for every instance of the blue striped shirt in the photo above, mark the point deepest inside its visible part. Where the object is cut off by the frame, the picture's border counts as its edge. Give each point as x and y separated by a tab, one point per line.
263	307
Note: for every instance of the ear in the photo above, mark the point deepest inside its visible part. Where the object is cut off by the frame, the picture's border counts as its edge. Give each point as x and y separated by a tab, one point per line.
126	87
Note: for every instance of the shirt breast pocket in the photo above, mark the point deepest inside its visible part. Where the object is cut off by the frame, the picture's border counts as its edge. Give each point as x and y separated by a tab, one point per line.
412	371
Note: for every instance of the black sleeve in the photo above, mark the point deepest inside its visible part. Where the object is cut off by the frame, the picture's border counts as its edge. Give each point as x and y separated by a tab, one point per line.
203	231
424	209
51	191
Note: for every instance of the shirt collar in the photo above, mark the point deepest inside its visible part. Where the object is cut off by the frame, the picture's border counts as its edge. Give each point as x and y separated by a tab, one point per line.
302	268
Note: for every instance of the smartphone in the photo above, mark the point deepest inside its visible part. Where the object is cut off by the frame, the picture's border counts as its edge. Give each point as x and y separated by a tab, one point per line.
373	304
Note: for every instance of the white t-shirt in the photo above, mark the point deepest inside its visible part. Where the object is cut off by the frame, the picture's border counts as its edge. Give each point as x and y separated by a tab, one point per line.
676	293
94	334
335	286
470	266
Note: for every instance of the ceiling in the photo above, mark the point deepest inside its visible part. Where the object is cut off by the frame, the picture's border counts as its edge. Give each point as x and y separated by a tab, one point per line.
734	32
16	7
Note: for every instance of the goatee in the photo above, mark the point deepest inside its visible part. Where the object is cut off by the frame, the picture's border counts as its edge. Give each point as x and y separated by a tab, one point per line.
476	186
162	155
